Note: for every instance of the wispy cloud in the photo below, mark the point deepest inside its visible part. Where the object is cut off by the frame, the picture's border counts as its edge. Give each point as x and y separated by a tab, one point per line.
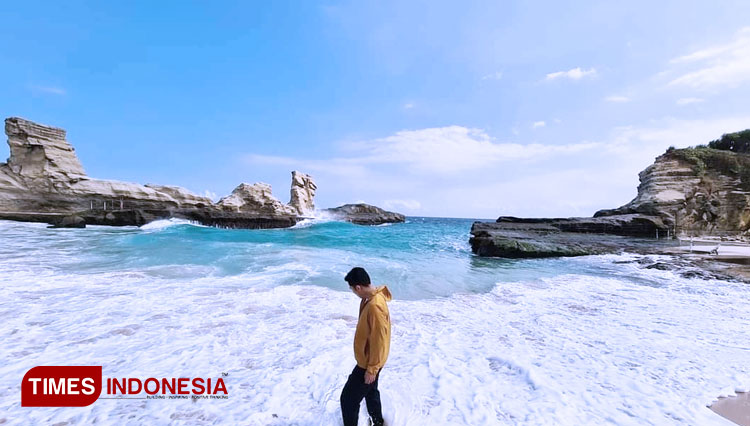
48	89
723	65
439	150
402	204
617	99
688	101
408	105
573	74
538	124
493	76
415	171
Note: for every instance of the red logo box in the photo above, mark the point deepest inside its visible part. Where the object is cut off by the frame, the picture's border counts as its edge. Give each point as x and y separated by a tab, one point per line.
61	386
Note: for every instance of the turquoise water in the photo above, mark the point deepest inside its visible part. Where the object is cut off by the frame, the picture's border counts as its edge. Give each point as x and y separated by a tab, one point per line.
422	258
570	341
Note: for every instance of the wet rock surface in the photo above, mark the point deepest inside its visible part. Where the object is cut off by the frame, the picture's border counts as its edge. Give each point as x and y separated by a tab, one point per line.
364	214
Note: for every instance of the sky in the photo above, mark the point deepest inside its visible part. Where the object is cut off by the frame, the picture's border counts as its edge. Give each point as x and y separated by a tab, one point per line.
429	108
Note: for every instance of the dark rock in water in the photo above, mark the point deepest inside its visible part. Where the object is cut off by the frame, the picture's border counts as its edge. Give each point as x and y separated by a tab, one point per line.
632	225
526	238
660	266
365	214
70	222
208	217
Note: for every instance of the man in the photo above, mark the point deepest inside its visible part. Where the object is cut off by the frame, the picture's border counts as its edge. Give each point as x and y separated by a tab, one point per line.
371	343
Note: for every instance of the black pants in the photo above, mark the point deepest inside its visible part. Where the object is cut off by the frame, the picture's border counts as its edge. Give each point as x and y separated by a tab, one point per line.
356	389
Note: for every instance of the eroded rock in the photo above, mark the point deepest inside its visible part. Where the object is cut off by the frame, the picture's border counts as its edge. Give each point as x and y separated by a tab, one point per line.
365	214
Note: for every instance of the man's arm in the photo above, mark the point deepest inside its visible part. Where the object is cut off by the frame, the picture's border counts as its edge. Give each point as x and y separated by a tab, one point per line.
378	352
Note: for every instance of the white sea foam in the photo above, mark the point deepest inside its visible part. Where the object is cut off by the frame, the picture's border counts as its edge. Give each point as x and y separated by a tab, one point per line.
315	218
576	341
166	223
570	349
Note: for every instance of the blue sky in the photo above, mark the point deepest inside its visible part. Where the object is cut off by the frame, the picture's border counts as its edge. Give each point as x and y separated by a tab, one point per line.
463	109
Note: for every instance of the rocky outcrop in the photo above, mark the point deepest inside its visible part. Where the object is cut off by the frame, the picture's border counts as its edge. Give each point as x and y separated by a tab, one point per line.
695	190
364	214
71	221
255	198
43	174
302	193
43	180
692	191
512	237
40	152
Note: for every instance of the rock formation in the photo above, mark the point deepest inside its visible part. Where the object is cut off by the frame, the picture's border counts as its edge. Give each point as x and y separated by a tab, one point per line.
302	193
43	174
691	191
40	152
576	236
256	198
695	190
44	181
364	214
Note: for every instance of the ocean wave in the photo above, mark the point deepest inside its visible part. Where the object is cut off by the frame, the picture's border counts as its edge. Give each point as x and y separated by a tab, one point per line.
168	223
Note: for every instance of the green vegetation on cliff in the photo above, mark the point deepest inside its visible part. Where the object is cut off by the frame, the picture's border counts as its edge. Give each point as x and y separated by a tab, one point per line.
724	161
735	142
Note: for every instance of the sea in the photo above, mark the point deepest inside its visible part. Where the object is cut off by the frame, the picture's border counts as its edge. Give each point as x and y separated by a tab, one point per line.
593	340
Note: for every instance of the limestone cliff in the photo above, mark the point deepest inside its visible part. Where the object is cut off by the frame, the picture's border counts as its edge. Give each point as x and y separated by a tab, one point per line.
691	191
255	198
302	193
43	180
695	190
43	174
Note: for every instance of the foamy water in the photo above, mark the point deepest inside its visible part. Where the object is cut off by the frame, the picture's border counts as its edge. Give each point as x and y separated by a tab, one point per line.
568	341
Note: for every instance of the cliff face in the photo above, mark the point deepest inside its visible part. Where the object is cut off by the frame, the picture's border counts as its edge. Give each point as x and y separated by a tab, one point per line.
695	190
43	174
690	191
43	181
40	152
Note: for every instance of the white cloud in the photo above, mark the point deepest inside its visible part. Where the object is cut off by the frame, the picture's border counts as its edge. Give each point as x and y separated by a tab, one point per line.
341	167
416	171
493	76
680	133
439	150
573	74
49	90
210	194
688	101
725	65
402	204
408	105
617	99
452	149
538	124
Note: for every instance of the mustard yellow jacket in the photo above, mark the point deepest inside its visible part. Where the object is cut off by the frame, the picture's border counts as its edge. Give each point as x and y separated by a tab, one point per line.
372	340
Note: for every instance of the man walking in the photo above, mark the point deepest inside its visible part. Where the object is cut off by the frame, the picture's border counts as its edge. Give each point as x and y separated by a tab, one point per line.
371	343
